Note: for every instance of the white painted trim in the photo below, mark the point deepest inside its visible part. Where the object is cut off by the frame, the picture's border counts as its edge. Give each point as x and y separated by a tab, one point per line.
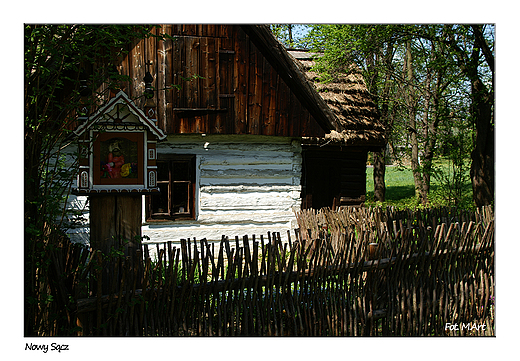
145	160
121	98
196	202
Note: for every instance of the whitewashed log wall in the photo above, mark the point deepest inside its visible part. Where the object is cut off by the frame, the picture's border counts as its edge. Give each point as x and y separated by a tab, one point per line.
245	185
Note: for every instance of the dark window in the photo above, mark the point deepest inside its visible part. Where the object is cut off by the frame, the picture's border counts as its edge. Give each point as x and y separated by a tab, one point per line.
176	181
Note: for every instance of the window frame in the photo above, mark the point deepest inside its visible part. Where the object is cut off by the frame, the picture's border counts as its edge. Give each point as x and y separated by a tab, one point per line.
190	214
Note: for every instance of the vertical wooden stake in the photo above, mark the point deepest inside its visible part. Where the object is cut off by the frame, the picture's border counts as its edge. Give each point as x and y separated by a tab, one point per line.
369	304
372	251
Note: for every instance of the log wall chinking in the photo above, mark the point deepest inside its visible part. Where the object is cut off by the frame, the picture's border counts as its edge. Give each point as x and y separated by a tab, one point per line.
245	185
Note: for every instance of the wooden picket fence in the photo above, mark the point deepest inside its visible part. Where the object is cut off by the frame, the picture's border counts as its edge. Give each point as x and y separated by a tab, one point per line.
354	272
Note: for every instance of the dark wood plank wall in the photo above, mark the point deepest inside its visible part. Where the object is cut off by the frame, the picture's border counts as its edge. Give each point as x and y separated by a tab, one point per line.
222	84
333	173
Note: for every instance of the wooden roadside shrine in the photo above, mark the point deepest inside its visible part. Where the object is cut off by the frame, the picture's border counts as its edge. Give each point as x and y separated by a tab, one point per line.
117	166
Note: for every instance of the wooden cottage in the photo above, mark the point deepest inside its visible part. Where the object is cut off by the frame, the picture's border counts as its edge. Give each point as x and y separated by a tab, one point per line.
249	137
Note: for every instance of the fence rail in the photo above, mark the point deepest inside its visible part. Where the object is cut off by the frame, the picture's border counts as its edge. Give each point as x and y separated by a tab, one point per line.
347	273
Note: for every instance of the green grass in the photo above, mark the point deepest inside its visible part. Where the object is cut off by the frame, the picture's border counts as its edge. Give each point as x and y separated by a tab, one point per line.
400	190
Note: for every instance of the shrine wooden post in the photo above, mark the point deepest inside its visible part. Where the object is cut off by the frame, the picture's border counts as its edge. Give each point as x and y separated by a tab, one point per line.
115	222
117	166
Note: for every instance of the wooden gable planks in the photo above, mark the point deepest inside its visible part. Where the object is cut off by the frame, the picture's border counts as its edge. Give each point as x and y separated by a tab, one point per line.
294	115
226	54
190	81
255	90
222	84
178	94
292	75
283	106
208	67
164	78
241	82
273	121
267	88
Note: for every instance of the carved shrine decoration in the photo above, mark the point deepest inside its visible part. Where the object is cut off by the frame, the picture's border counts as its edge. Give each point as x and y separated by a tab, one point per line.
117	149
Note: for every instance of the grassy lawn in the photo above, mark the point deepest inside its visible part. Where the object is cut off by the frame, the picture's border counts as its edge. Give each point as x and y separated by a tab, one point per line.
400	190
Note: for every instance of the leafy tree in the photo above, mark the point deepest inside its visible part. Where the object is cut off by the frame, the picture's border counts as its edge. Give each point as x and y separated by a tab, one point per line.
419	76
429	76
291	35
472	47
65	67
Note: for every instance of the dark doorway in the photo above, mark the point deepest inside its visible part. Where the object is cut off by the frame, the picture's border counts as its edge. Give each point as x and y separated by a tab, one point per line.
333	176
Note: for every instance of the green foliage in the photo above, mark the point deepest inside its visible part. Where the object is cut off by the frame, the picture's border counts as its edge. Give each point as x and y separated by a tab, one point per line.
62	64
425	80
290	34
58	65
342	45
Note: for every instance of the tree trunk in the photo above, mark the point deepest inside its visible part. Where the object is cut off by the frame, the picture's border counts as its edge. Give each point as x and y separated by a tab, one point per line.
482	101
429	134
418	181
289	30
431	130
379	157
31	220
481	111
412	126
483	155
379	176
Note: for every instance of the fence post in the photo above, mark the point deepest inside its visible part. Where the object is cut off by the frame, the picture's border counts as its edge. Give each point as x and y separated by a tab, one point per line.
370	292
372	251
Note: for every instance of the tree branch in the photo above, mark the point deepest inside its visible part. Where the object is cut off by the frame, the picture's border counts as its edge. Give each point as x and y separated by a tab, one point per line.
483	44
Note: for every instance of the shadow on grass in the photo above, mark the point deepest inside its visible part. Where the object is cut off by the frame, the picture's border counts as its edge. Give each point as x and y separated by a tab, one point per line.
404	196
394	193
